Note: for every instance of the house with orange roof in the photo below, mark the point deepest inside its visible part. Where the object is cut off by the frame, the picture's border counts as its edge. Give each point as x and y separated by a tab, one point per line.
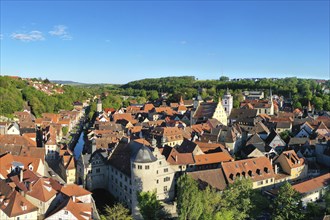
125	119
297	112
76	192
178	161
211	160
16	140
171	136
313	189
51	147
13	205
292	165
68	169
209	110
322	129
259	170
73	210
41	194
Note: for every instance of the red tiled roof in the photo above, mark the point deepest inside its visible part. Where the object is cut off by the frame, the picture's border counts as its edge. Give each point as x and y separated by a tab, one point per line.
212	158
74	190
313	184
248	168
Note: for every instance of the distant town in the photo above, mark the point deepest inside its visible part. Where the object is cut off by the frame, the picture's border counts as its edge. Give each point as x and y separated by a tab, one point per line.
166	148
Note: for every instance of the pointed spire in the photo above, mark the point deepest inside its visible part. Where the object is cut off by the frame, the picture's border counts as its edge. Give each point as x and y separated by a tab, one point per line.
309	106
181	101
227	91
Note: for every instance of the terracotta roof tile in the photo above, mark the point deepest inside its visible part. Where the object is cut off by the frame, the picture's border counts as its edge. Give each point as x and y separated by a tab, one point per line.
255	168
213	178
218	157
313	184
74	190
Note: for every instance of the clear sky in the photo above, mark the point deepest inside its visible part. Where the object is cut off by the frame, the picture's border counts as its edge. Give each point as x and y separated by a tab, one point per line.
117	42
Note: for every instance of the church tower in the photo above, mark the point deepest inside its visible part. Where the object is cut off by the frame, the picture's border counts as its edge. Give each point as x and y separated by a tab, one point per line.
271	111
227	102
99	108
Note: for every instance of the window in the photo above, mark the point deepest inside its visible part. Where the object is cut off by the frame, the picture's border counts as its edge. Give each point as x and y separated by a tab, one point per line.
165	170
140	167
166	179
165	188
66	212
160	162
98	170
147	167
157	181
134	166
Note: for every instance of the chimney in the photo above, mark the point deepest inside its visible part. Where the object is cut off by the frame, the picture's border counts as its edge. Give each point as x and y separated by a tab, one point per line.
271	161
74	198
6	202
2	197
93	145
276	169
21	175
176	158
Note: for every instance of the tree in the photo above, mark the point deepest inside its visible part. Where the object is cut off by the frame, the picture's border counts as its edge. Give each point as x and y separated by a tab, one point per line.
287	205
260	204
237	198
117	212
211	201
224	78
65	130
318	103
189	202
327	201
153	95
297	105
313	211
285	135
47	81
150	207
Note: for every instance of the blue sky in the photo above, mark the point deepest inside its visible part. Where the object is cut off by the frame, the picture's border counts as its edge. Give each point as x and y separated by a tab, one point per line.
117	42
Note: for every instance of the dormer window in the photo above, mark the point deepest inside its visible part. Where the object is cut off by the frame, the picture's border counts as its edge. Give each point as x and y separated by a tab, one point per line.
266	170
231	176
258	171
250	173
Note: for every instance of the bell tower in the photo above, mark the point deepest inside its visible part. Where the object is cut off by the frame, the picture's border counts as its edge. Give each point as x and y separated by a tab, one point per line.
227	102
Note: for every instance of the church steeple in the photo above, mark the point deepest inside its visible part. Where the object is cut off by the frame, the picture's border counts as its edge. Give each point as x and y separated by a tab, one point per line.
181	101
227	102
